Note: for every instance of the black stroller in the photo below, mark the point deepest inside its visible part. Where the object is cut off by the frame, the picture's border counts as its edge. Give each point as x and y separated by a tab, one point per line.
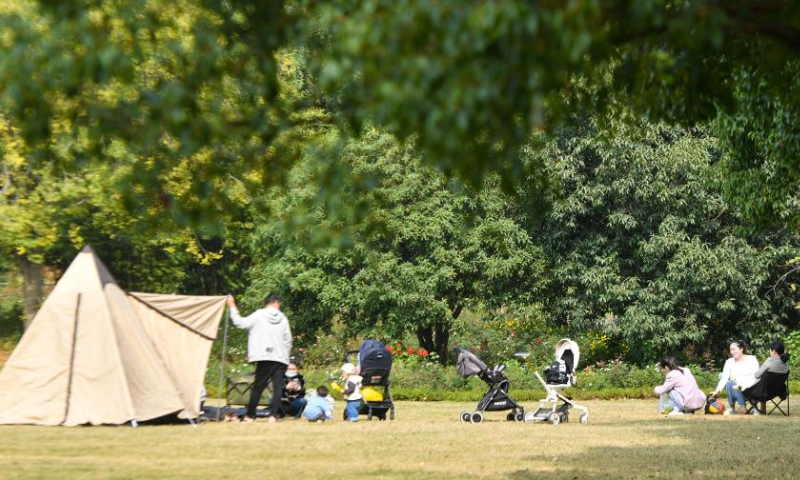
496	398
375	363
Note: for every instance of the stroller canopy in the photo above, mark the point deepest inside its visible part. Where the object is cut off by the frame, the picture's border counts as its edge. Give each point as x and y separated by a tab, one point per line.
368	346
469	364
568	351
375	359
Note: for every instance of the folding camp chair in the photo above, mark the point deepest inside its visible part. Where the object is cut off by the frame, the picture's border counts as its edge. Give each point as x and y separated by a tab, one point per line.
768	388
238	393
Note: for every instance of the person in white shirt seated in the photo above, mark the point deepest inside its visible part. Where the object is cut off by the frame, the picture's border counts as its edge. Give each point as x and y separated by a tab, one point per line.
738	374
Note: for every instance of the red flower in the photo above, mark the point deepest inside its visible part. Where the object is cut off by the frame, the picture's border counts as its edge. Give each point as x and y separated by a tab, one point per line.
389	349
538	340
410	350
422	352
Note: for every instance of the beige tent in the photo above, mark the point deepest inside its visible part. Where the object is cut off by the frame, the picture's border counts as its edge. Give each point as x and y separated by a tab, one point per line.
94	354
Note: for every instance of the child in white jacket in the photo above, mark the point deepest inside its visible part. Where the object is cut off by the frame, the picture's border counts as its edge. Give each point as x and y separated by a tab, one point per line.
351	391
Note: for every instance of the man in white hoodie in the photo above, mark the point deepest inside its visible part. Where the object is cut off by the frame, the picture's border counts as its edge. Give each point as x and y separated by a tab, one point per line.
269	344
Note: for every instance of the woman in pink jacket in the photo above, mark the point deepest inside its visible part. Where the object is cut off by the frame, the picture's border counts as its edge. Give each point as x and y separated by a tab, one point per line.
680	390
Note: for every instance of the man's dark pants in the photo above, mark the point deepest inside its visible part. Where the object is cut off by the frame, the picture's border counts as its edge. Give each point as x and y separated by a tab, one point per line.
266	371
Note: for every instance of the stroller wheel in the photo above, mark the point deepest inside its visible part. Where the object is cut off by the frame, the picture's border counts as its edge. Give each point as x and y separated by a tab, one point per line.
530	417
466	417
554	418
511	417
520	417
477	417
584	418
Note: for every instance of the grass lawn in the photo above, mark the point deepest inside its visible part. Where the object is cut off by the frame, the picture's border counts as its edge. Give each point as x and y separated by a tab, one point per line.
624	439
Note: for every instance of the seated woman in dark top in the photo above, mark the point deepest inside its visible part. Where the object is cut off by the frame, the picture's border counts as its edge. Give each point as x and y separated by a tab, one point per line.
293	400
777	362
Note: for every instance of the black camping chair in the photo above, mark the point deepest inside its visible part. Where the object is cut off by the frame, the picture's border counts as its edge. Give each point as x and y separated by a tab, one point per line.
770	386
238	393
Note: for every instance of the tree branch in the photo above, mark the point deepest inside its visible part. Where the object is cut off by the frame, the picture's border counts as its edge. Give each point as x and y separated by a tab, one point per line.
782	279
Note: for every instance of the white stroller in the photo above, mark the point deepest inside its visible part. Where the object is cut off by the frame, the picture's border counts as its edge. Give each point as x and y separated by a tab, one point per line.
560	375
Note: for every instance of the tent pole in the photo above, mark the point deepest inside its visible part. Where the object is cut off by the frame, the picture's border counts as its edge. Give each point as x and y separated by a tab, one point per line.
222	360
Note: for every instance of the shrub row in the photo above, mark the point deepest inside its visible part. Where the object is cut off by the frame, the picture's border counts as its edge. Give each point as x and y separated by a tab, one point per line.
434	382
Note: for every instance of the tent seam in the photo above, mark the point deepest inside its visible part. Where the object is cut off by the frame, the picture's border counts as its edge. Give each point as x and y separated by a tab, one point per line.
119	356
172	318
72	359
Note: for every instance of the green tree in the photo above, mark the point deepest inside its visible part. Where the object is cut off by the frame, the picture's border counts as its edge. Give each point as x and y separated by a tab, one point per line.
194	84
643	246
472	80
419	255
162	221
761	138
182	93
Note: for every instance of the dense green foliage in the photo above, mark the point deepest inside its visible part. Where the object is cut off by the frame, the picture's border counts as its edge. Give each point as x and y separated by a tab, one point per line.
178	95
388	166
419	254
637	256
473	80
195	85
762	145
644	248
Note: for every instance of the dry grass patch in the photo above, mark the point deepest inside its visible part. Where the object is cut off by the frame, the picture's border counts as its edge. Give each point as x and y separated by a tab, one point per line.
624	439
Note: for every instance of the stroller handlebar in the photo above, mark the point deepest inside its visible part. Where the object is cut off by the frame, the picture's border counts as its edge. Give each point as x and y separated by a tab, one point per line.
347	355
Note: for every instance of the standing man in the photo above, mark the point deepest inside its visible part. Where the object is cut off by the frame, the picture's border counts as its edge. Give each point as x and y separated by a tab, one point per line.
268	346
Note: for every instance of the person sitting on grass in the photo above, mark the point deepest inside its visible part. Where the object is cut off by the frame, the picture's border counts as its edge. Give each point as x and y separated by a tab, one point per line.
738	374
320	406
294	391
351	391
680	390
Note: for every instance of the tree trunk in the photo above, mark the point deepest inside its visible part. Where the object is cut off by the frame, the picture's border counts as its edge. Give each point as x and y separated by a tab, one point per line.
33	278
436	338
442	340
425	338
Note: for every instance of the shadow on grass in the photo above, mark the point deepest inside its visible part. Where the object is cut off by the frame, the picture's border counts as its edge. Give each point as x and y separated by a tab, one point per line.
747	448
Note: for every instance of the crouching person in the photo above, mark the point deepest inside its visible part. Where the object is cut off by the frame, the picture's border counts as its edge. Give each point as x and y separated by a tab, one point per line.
294	392
320	406
680	391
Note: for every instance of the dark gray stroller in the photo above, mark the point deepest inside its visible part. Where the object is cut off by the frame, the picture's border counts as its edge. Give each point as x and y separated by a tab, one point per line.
496	398
375	364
